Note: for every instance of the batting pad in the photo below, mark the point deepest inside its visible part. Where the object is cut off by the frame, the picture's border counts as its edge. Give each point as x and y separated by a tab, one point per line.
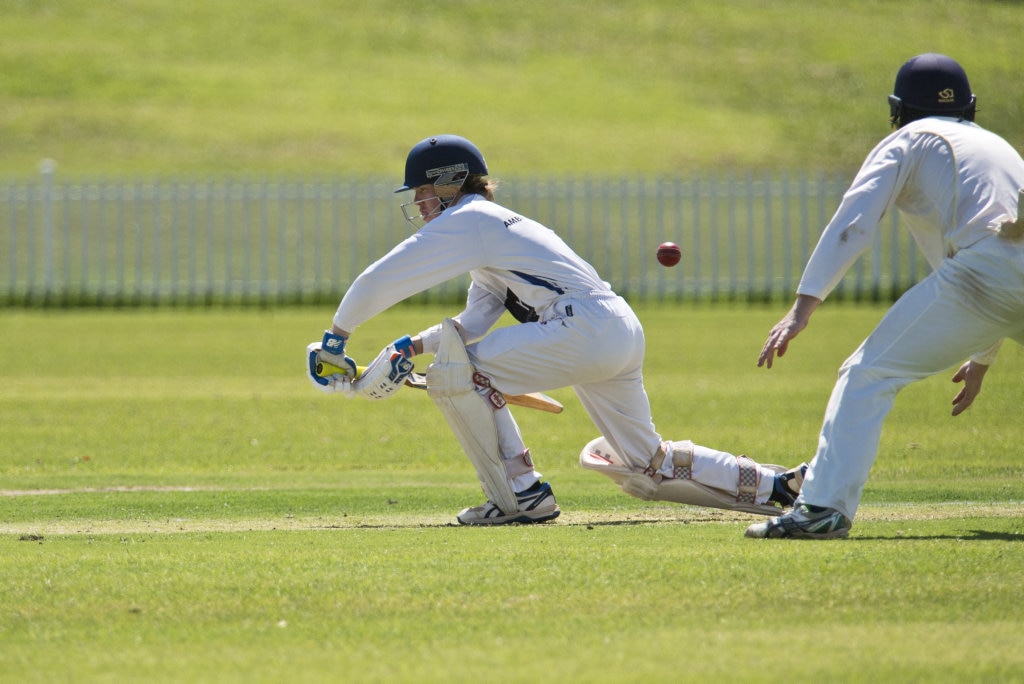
450	384
599	456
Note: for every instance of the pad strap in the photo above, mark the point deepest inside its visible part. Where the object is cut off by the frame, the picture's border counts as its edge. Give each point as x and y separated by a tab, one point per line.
679	454
750	476
518	465
494	397
682	460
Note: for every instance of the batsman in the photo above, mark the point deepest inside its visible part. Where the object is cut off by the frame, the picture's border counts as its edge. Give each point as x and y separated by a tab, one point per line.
573	331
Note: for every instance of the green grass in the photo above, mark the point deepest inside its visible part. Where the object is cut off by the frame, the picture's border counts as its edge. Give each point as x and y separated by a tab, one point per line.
605	603
318	87
178	504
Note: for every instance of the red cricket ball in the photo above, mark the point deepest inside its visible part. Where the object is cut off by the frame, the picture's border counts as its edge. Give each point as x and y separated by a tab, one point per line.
669	254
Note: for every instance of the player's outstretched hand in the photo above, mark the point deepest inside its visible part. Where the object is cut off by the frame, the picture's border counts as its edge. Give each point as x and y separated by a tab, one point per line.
972	375
786	329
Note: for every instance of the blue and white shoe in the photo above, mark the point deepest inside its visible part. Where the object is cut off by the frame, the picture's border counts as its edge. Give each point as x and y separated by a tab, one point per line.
787	485
803	522
536	505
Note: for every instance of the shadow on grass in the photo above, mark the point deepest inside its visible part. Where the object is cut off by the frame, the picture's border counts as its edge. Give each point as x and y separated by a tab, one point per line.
587	521
560	523
972	535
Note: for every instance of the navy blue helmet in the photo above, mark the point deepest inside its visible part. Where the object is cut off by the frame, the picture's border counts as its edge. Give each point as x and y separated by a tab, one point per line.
930	85
442	160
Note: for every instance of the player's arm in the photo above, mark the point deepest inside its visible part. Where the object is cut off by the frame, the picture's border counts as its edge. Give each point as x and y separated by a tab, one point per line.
483	309
844	239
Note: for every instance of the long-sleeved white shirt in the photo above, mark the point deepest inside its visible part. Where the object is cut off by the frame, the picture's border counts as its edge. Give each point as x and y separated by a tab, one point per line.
514	262
953	181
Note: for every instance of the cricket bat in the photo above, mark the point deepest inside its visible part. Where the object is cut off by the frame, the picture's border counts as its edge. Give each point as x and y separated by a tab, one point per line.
533	400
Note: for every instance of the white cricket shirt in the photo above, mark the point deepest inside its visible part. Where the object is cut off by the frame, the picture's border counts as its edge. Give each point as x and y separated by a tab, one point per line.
514	262
953	181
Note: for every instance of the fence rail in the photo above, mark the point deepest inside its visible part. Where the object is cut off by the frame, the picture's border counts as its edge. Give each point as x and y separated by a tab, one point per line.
94	241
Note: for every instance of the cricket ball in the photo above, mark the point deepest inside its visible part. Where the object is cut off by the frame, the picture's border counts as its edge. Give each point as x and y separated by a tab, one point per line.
669	254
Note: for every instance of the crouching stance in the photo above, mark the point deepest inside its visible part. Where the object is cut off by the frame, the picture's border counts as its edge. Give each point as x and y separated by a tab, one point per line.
678	471
572	330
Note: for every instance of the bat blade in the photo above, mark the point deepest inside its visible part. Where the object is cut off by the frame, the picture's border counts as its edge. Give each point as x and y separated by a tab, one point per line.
534	400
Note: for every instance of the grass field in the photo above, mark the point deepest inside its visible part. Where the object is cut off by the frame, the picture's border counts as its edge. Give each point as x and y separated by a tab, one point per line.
343	87
178	504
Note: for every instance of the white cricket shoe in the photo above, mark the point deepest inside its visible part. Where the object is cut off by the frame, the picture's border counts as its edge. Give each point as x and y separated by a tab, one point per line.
803	522
536	504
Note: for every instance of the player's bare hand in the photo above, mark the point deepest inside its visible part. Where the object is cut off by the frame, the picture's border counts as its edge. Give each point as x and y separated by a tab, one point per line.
972	375
777	343
788	328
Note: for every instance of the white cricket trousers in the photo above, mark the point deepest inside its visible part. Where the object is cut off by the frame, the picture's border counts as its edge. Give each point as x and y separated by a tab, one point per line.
594	344
970	302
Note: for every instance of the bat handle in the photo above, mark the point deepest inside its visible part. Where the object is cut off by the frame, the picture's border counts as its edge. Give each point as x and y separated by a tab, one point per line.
324	369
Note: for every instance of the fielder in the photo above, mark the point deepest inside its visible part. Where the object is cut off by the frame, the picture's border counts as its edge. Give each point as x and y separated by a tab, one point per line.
573	331
957	186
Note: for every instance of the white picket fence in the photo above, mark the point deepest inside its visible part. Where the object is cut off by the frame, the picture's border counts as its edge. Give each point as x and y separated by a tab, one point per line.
96	241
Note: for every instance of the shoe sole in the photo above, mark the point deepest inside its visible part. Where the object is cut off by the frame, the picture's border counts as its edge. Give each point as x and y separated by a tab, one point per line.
524	519
834	534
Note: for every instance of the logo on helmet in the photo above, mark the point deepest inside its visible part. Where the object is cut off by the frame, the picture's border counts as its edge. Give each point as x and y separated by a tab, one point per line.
947	95
446	174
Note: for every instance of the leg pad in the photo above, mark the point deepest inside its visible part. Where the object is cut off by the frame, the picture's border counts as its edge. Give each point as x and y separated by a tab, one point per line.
450	384
599	456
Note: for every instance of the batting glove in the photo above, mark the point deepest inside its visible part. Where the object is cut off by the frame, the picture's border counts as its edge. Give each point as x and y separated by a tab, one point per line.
384	376
327	362
332	350
403	345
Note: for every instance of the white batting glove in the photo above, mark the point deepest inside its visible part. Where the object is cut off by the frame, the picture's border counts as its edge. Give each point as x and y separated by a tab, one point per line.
327	369
384	376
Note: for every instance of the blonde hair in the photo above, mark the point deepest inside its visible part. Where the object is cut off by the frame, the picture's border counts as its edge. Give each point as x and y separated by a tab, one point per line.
479	184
